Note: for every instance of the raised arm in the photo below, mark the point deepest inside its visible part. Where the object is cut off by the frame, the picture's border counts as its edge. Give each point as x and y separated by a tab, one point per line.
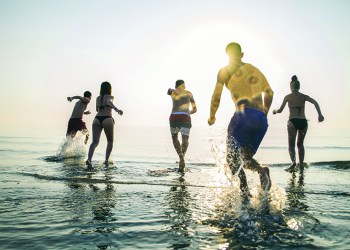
320	116
282	106
83	99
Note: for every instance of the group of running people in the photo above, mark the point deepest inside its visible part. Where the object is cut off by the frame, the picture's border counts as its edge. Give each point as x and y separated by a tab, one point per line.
252	97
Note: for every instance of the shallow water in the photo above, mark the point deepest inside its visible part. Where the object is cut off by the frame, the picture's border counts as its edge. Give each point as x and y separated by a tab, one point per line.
51	201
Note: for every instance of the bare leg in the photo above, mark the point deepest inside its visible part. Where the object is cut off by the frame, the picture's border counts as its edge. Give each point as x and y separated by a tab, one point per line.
176	144
233	161
86	133
96	134
108	126
184	145
300	144
252	164
292	133
178	149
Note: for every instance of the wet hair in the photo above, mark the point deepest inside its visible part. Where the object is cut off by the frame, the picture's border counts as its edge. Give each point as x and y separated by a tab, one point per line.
106	89
178	83
87	94
233	49
295	84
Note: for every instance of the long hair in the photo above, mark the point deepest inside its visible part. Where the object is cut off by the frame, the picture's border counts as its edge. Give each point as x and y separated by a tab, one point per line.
106	89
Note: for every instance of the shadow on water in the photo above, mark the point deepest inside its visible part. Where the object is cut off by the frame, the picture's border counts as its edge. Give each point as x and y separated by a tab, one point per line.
179	214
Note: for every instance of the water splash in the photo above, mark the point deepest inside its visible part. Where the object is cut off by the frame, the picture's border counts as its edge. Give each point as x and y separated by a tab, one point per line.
69	148
72	147
252	216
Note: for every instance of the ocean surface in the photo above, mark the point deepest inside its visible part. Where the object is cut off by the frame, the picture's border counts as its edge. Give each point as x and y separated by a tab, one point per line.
51	200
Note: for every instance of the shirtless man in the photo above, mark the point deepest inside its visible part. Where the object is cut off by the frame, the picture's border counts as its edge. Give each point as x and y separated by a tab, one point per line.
76	123
180	119
252	96
297	123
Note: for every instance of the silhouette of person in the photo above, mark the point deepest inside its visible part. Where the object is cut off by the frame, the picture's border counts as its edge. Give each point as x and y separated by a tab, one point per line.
75	122
180	118
252	96
297	124
103	121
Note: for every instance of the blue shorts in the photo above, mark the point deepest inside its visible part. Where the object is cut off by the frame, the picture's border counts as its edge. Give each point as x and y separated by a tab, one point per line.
247	129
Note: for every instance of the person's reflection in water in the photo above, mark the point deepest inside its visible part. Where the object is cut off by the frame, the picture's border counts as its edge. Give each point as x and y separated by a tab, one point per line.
103	203
93	207
296	196
180	215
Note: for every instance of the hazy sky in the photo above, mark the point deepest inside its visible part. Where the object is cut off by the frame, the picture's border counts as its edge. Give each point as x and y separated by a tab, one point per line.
53	49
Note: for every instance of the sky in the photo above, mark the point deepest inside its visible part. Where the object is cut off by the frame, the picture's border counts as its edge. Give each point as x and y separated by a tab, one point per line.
50	50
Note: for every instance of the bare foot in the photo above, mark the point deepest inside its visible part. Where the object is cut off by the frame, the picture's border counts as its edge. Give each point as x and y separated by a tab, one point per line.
291	168
265	179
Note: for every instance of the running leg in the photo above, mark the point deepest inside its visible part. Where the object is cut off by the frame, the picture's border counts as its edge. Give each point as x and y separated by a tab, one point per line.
184	145
292	133
300	145
108	126
96	134
178	149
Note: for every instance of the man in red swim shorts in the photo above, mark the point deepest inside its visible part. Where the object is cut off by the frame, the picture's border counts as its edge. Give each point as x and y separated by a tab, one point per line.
75	122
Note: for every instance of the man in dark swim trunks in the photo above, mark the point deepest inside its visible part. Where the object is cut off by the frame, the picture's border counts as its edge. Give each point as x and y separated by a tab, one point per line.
180	118
297	123
252	96
76	123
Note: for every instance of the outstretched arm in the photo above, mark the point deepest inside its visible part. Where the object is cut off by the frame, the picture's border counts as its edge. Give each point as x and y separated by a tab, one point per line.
281	108
83	99
320	116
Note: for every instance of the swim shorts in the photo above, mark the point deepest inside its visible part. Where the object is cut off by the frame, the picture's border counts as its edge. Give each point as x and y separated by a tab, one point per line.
247	129
75	125
180	123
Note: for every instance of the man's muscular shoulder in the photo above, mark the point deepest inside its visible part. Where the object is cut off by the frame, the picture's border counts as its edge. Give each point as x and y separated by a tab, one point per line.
223	75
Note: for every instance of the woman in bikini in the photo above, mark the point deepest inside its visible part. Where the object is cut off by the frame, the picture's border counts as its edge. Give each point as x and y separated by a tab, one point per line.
297	123
103	121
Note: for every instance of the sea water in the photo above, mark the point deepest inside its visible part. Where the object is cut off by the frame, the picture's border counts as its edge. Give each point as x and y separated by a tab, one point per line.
51	200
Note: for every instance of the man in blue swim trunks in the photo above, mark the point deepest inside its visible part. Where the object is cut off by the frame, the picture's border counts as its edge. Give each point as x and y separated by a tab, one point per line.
180	118
252	96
